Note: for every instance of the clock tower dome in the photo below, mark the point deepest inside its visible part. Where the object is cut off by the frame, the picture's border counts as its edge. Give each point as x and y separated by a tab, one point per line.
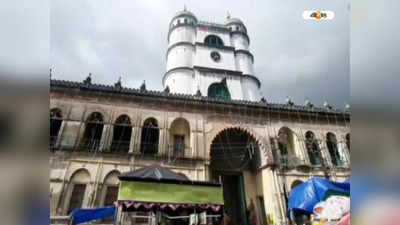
211	58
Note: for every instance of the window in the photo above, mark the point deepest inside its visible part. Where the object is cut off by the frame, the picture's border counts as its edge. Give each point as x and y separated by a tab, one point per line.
93	132
179	145
285	144
111	195
179	136
331	143
313	149
150	135
219	90
55	125
77	196
214	41
121	134
185	21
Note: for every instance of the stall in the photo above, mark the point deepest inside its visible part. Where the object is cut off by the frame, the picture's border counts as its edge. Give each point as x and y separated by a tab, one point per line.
156	195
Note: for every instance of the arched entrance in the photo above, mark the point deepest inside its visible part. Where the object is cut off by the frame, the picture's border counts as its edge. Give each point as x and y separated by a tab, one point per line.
232	152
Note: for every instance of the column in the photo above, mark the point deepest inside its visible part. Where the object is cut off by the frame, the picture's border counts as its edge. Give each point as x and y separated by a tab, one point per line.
132	144
104	141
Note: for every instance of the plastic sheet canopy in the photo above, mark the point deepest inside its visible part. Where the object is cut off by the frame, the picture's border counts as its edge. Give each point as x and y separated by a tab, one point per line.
306	195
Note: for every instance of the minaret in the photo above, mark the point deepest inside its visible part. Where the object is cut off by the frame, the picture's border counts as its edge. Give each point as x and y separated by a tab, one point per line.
180	53
210	58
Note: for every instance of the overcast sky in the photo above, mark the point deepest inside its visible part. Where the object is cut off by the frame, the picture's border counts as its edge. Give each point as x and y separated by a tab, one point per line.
293	57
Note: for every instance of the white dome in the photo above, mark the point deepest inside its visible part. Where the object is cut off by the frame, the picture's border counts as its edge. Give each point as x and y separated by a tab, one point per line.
184	13
233	21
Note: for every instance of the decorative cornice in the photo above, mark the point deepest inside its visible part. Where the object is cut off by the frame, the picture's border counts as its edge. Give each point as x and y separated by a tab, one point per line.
215	70
228	48
73	86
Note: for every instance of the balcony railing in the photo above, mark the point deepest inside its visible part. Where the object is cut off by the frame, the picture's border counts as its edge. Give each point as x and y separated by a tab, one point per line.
120	146
290	161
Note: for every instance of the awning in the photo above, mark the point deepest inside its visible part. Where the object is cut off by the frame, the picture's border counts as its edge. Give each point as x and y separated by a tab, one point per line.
149	206
306	195
160	187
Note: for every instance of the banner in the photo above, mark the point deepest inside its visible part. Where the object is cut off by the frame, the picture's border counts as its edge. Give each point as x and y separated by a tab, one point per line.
170	193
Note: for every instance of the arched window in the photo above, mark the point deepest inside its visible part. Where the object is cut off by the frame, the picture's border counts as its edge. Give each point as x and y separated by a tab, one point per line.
285	144
122	134
109	194
180	137
348	141
219	90
93	132
214	41
77	190
331	143
55	125
150	135
313	149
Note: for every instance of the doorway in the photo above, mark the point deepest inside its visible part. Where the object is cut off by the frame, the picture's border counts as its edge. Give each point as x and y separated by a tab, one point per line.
234	198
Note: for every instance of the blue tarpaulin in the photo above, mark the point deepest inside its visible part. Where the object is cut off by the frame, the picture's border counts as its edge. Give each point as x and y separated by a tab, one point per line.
306	195
79	216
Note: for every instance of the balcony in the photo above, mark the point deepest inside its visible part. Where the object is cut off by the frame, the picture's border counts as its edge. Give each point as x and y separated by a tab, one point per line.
290	161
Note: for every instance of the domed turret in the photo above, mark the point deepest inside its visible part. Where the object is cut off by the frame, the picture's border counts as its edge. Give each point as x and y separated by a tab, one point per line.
185	12
183	17
235	24
180	52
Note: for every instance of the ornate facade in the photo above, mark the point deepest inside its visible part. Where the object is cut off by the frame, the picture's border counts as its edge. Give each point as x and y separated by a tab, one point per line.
258	150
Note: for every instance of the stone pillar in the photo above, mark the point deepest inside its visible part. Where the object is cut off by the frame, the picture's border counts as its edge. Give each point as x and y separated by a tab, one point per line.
71	134
162	147
104	143
193	146
132	144
138	139
343	152
272	196
60	134
299	148
325	152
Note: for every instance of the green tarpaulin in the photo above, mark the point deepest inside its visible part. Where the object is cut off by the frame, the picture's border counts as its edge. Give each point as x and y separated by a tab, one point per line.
170	193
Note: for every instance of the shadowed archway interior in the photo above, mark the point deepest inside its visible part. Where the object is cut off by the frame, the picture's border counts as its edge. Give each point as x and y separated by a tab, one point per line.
232	152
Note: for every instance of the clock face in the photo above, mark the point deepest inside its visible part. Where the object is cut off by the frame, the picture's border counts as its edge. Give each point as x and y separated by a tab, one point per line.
215	56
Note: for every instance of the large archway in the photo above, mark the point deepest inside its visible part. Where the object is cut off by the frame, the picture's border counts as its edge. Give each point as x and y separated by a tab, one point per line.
234	151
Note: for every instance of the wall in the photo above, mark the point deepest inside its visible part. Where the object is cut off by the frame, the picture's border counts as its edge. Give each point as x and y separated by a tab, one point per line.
205	123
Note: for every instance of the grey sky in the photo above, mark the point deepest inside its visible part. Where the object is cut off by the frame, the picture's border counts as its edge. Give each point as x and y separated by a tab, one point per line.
293	57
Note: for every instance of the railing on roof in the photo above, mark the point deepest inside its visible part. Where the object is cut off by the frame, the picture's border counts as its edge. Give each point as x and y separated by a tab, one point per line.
212	24
125	90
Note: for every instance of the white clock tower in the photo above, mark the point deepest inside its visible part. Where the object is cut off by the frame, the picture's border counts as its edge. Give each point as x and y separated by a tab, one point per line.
211	58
